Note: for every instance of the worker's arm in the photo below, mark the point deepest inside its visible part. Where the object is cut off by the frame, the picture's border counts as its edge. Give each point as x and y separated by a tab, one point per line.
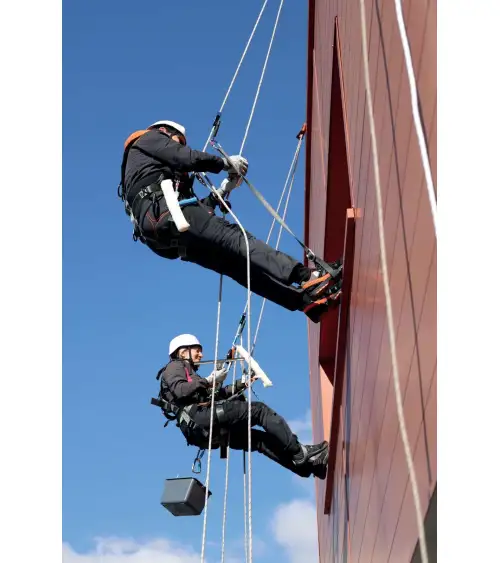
178	157
176	380
229	391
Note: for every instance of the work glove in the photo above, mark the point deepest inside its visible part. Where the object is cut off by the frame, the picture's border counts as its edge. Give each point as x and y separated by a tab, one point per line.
228	185
219	375
240	164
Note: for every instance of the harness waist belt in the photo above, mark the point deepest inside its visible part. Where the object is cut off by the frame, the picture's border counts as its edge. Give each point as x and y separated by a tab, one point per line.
140	185
154	188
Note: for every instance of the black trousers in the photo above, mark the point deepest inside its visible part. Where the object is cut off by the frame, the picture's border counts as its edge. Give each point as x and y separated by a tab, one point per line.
218	245
278	442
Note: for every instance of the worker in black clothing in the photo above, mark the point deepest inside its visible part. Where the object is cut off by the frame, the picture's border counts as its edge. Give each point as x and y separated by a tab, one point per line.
161	153
182	387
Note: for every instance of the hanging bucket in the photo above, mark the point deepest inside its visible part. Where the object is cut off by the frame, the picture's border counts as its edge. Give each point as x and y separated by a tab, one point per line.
184	496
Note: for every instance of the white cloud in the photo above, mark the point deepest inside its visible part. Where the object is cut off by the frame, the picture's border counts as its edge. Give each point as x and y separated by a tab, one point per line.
295	528
303	427
122	550
128	550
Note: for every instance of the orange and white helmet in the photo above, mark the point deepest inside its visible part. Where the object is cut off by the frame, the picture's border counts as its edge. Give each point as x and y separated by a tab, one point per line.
177	126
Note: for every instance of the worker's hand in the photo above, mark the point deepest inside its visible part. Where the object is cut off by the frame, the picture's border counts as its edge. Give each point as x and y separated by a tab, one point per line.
235	180
244	384
228	185
239	385
239	164
219	375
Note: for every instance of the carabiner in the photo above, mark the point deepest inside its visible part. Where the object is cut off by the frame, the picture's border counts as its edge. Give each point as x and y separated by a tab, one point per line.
196	468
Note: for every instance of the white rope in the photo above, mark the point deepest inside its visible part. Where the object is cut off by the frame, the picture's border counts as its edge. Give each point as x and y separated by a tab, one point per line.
292	166
212	409
219	305
238	69
416	113
291	172
245	517
245	511
226	486
261	79
249	487
388	300
247	308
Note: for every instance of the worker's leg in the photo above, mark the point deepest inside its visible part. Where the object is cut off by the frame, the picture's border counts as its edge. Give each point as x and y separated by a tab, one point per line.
220	238
218	245
286	296
266	444
236	413
234	416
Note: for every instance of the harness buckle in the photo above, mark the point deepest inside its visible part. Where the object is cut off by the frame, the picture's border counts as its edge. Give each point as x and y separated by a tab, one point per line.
144	192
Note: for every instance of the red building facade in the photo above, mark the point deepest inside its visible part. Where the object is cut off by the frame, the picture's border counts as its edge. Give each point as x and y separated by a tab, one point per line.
366	511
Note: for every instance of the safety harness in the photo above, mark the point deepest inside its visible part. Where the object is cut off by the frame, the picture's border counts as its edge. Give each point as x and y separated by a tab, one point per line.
195	434
153	192
171	411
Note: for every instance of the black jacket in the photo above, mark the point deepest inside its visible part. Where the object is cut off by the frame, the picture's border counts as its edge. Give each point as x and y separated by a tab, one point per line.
178	389
155	153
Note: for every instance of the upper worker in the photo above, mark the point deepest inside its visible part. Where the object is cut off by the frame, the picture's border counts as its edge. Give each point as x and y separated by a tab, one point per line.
161	153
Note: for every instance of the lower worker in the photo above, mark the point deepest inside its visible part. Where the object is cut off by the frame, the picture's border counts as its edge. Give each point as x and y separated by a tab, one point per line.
160	152
189	396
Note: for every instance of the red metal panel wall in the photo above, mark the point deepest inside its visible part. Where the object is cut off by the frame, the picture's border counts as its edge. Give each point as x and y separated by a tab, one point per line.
373	517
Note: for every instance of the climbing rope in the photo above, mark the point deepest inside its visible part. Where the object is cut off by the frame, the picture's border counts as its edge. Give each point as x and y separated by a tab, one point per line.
245	511
204	179
245	516
212	132
291	172
226	487
417	119
247	490
261	77
388	300
212	404
250	119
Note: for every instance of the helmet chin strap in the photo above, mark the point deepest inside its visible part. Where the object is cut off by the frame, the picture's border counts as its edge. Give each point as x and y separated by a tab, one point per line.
191	361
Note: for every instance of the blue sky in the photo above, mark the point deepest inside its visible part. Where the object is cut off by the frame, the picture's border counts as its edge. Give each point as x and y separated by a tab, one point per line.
125	65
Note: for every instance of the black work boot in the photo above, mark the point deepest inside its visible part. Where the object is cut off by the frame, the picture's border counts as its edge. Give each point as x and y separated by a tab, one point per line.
319	464
321	280
308	454
330	299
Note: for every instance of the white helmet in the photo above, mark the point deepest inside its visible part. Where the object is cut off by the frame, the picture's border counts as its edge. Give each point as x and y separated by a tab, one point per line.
173	124
181	341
